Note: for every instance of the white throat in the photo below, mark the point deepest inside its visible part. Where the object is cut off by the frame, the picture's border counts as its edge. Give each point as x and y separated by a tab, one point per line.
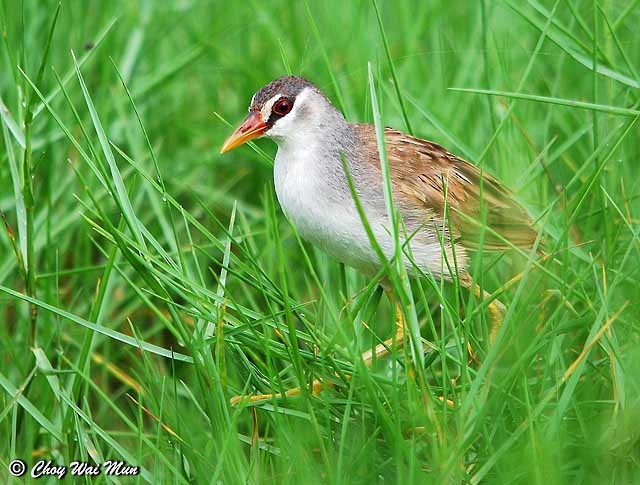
310	181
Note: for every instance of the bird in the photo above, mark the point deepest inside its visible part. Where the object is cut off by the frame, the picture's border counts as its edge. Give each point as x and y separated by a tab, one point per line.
329	180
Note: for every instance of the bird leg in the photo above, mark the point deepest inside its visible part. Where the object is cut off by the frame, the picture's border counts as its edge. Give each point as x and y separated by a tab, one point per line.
316	386
383	349
496	309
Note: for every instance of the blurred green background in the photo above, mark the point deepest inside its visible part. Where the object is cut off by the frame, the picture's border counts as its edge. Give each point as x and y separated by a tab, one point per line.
145	279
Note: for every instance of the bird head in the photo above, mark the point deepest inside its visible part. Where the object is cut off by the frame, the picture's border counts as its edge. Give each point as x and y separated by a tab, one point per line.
285	108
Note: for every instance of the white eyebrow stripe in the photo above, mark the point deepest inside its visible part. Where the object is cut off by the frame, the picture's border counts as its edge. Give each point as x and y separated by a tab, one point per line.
266	107
253	98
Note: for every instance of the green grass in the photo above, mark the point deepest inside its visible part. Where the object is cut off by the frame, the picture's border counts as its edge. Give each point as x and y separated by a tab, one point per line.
145	279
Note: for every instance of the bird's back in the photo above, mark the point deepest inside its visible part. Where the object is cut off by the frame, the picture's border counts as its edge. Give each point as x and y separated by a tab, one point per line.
427	179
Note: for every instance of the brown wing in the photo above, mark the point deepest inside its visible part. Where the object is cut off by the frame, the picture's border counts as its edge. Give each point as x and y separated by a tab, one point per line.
421	170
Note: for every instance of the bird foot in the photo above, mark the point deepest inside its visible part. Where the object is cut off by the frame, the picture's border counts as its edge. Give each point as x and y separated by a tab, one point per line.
316	388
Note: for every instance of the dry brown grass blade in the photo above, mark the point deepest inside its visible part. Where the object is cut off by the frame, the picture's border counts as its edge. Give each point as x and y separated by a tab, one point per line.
154	417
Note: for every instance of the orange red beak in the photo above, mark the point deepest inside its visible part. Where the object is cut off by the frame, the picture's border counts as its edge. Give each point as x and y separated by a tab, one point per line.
252	127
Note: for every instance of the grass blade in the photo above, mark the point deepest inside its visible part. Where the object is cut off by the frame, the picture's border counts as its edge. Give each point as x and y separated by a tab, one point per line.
121	191
552	100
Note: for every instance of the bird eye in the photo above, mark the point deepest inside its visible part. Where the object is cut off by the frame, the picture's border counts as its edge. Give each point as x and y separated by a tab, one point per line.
282	107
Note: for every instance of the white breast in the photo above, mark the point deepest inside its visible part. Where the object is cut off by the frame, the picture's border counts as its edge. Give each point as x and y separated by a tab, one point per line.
323	214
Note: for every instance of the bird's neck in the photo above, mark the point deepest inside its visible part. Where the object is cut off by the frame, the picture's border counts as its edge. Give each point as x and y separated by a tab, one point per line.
326	137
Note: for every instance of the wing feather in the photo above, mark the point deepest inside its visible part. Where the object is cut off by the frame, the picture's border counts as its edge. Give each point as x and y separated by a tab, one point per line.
423	171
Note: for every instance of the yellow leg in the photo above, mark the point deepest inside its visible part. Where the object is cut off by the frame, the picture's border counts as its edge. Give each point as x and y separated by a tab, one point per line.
383	349
380	351
316	387
495	307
